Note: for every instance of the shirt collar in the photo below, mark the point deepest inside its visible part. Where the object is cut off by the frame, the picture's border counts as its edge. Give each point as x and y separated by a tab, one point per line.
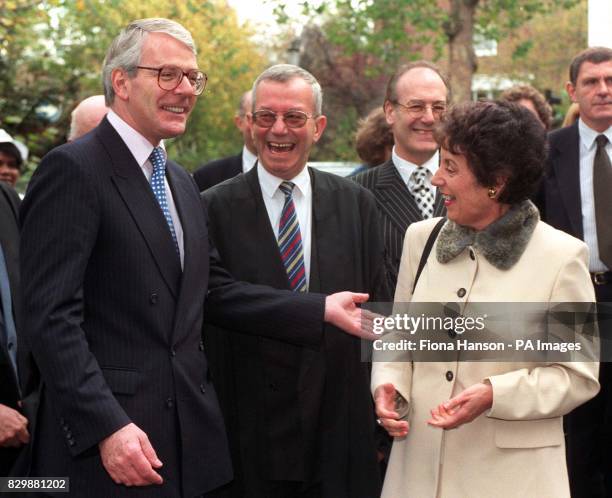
248	159
270	183
137	144
406	168
588	134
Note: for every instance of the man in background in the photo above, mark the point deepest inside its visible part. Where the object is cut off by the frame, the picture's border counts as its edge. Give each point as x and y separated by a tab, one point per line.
576	197
12	156
86	116
416	99
221	169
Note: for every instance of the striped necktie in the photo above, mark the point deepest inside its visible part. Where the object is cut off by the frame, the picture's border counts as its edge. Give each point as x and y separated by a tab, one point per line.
421	191
159	189
290	241
602	183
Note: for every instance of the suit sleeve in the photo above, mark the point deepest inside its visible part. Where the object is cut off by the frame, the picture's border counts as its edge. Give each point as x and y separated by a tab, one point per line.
295	317
60	218
551	390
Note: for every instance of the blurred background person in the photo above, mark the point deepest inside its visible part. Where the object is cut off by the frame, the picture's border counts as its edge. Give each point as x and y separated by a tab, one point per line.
12	156
508	435
373	140
219	170
86	116
529	97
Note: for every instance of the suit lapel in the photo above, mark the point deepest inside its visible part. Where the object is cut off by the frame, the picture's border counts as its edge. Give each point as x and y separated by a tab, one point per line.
267	266
395	199
566	164
142	205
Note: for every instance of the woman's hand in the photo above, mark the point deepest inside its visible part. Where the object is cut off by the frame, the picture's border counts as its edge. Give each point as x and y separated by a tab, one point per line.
463	408
384	398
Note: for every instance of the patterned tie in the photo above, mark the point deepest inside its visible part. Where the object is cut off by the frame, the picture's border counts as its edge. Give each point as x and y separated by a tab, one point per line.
7	312
602	188
159	189
290	241
421	191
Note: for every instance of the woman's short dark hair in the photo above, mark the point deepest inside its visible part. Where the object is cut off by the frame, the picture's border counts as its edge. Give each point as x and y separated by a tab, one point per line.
11	150
499	140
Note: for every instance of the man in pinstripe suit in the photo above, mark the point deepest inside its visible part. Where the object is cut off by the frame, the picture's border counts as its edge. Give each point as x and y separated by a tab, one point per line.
416	97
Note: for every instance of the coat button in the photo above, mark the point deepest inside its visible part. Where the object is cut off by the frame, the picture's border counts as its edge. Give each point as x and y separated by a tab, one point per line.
472	255
201	346
449	375
461	292
202	388
68	435
172	352
153	298
169	403
71	442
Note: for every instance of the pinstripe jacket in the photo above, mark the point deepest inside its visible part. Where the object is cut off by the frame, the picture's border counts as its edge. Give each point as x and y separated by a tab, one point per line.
398	210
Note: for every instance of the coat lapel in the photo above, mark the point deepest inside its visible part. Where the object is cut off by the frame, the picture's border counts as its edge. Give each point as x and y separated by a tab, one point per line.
566	165
142	205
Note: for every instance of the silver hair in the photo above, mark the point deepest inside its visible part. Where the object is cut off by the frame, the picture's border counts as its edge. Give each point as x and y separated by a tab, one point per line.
126	49
286	72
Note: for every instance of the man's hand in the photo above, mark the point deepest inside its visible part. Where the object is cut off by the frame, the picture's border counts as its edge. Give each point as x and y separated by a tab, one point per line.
463	408
13	428
129	458
341	311
384	398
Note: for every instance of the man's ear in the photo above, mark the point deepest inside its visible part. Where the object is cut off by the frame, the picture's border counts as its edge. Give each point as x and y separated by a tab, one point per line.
571	90
389	112
320	124
121	83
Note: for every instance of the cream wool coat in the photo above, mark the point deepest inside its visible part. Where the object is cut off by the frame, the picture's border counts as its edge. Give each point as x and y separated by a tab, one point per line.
517	448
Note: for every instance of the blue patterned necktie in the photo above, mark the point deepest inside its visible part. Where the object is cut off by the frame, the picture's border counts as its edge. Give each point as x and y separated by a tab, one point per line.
159	189
290	241
7	312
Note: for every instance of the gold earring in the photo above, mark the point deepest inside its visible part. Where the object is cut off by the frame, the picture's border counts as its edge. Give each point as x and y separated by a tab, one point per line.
492	192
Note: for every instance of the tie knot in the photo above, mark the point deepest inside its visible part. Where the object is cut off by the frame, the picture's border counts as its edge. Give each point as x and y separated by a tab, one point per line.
286	188
601	140
157	159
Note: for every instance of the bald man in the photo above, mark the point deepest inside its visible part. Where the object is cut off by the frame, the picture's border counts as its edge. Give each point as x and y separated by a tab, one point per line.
86	116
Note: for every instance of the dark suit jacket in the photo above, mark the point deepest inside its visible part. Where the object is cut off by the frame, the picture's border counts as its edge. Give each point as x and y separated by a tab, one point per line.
559	198
217	171
294	413
398	210
114	325
9	238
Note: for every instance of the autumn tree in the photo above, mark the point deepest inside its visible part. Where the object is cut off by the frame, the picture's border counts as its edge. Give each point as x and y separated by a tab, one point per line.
51	55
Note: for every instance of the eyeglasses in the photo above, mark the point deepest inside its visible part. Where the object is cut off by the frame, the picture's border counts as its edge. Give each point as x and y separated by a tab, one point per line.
170	77
292	119
418	108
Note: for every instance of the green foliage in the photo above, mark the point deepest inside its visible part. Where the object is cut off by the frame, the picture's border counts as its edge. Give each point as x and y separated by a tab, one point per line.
52	51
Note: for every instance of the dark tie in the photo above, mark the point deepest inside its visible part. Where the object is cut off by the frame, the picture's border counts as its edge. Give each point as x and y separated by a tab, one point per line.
602	192
421	192
159	189
9	332
290	241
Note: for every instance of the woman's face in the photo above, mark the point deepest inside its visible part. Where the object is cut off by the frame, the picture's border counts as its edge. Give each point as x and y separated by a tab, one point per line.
467	202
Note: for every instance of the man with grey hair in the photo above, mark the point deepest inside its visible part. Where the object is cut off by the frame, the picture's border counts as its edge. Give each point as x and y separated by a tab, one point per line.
300	421
222	169
117	265
86	116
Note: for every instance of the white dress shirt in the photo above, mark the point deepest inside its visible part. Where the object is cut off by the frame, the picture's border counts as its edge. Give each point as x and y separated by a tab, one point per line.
248	159
588	147
274	200
141	149
406	168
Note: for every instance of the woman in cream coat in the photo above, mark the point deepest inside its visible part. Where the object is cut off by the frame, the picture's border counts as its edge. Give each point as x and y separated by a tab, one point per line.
483	429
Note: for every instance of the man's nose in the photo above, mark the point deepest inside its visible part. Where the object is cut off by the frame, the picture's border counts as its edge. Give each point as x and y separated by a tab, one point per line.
279	127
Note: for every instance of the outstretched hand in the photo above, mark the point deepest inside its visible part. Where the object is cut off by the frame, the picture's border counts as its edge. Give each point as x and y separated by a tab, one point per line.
341	310
463	408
